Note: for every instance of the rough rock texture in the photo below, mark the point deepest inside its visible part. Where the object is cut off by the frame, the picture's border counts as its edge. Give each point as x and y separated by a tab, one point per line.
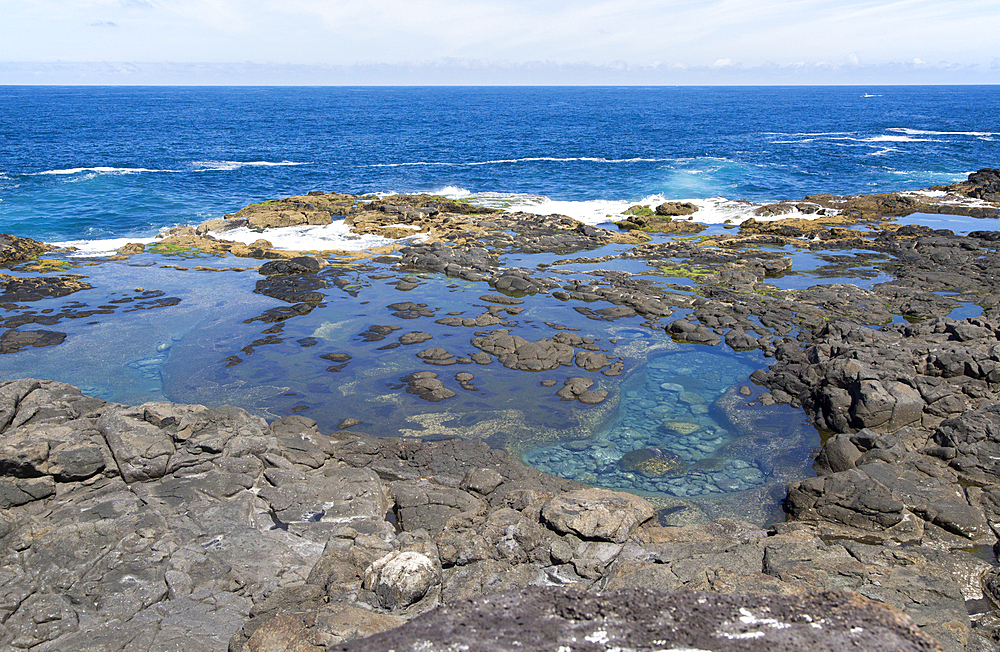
641	619
315	208
164	525
13	248
983	184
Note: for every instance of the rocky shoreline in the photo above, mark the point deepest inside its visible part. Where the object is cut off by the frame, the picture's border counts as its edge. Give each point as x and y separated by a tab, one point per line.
158	525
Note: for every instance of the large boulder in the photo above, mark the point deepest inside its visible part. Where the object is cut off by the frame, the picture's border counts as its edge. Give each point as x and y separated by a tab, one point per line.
401	578
13	248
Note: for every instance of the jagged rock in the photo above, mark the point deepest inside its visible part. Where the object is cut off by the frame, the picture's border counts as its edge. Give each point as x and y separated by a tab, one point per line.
292	287
686	331
515	352
975	438
13	248
982	184
675	208
297	265
429	507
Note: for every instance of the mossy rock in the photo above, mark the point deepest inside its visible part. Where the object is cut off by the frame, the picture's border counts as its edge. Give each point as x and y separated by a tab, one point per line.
660	224
652	463
639	211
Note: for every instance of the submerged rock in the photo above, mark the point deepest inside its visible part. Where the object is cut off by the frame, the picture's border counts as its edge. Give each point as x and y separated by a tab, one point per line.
652	463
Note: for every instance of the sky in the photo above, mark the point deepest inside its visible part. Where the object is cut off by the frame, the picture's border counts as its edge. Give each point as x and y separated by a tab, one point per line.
499	42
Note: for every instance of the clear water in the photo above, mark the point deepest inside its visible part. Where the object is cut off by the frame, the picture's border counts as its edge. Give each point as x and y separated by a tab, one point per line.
690	421
208	348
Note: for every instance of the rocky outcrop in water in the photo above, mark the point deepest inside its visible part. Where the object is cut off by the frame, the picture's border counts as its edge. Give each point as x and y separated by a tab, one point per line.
13	248
982	184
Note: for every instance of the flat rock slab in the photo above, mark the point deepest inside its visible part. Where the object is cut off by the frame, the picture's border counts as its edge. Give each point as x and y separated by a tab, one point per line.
597	514
551	618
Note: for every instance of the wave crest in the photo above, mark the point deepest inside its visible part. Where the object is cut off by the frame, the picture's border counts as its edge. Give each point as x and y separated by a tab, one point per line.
225	166
99	170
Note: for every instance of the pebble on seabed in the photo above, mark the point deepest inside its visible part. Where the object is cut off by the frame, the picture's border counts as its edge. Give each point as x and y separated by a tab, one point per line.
663	415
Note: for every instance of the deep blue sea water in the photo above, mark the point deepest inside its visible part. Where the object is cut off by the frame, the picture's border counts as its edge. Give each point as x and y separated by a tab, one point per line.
105	162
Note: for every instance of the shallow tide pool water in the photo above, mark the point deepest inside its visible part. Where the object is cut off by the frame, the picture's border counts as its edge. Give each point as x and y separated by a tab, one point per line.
681	425
689	433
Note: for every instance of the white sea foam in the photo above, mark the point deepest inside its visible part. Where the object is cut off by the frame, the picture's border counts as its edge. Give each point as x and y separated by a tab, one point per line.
99	170
410	164
453	192
808	133
906	137
885	138
924	132
946	198
714	210
526	159
100	247
224	166
884	151
334	236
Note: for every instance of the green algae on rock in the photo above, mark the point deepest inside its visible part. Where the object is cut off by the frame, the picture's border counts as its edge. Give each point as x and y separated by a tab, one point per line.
652	463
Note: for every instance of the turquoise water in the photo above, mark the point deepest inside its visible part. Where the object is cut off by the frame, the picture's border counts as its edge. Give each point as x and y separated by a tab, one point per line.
690	422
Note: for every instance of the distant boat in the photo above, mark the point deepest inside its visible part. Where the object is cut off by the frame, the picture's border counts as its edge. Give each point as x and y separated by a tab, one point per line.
870	95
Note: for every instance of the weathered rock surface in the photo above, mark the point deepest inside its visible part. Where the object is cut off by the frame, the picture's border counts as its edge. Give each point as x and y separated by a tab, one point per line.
160	524
642	619
13	248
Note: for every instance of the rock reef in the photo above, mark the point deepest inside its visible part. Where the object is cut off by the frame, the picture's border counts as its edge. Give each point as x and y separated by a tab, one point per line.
165	525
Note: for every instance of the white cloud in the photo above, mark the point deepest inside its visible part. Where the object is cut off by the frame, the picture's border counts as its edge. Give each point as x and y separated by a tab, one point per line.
638	33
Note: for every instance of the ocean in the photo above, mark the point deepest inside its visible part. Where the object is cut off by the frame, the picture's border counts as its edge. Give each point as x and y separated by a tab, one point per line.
95	168
109	163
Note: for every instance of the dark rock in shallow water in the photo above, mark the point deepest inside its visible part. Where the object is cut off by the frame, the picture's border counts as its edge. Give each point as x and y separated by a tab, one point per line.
652	463
33	288
426	385
686	331
293	288
14	340
297	265
550	618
